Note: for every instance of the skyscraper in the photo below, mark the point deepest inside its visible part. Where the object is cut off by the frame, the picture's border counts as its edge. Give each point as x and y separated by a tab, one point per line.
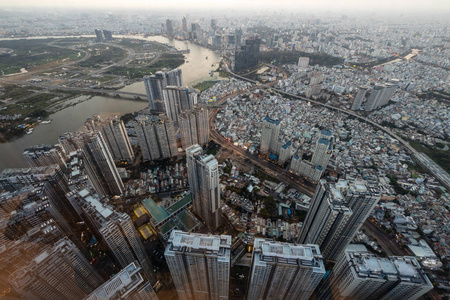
124	241
128	283
115	135
45	155
285	152
269	134
99	163
36	189
199	264
100	166
238	34
99	36
374	100
174	77
115	228
177	99
184	25
247	56
324	149
326	220
360	275
156	137
108	35
57	272
360	96
337	212
194	127
217	42
169	27
203	175
284	270
361	198
213	24
155	84
389	90
309	170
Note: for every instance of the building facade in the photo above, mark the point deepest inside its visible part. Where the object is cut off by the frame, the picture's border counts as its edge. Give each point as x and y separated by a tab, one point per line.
203	175
156	137
199	264
247	57
326	219
360	96
194	127
360	275
115	136
58	272
128	283
284	270
269	135
176	100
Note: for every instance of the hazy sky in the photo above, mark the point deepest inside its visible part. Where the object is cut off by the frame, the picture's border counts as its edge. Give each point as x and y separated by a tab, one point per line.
437	6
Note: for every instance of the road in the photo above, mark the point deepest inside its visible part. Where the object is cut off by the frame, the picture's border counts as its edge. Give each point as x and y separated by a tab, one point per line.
276	171
418	156
386	241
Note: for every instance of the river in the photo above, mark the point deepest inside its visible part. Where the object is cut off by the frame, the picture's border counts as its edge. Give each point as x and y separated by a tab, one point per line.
196	69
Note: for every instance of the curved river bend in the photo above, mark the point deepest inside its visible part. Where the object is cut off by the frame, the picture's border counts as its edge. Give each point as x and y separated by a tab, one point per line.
195	70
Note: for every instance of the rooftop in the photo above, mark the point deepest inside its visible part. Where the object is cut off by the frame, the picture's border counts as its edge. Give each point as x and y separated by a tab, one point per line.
156	212
270	120
200	241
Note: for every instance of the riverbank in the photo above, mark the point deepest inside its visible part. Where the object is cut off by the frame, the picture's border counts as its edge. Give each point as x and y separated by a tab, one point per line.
72	117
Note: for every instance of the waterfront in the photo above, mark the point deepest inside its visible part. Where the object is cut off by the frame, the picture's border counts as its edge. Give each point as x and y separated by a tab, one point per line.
70	119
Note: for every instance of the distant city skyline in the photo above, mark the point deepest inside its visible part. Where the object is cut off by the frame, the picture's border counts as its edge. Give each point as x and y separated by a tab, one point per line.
325	6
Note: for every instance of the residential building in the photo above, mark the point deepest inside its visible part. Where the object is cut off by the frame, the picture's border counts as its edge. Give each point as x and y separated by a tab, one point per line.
379	96
344	206
199	264
360	97
285	152
360	275
324	149
99	36
100	166
45	155
284	270
99	163
59	271
194	127
176	100
203	175
108	35
128	283
115	135
269	135
115	228
154	85
156	137
326	220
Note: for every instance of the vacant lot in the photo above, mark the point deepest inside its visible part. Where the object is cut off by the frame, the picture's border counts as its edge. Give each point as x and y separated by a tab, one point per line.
29	54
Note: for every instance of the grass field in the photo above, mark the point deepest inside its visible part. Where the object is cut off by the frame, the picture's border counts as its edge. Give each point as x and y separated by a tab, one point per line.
205	85
102	54
143	46
32	53
169	61
442	158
